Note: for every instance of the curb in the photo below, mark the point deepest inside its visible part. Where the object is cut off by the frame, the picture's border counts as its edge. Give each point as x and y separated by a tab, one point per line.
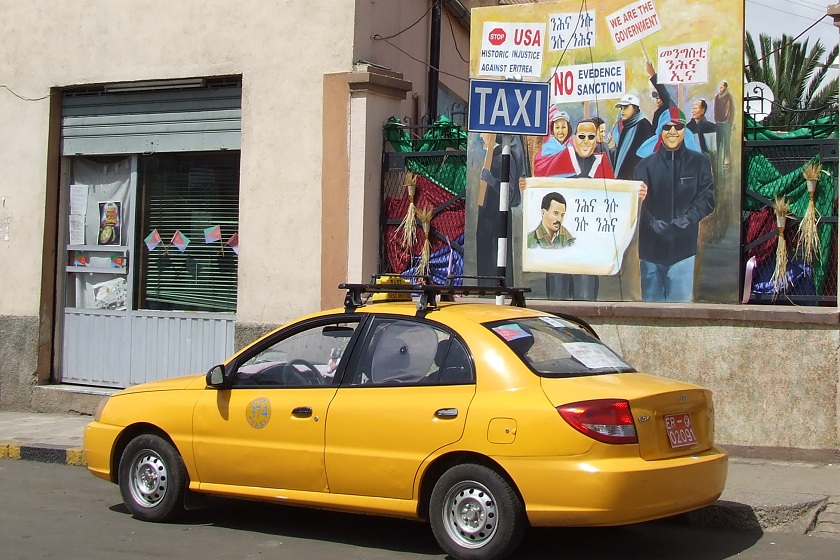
44	453
795	517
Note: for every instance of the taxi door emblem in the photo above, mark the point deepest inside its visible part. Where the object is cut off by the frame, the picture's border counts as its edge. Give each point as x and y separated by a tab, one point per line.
258	412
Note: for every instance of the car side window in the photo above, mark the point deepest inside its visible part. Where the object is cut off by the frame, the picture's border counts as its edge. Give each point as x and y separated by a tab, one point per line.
307	358
400	352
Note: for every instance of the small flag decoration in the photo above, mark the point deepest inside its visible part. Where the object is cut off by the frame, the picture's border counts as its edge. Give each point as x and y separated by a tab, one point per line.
233	242
212	234
180	240
153	240
117	261
80	259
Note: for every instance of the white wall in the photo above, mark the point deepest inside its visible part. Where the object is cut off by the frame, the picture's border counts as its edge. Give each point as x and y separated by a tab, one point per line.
282	50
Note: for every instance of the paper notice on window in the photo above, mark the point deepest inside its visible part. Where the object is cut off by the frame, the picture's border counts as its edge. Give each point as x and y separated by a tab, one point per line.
598	224
78	199
77	229
594	355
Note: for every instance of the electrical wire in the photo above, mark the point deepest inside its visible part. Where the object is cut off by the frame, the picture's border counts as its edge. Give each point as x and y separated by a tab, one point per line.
10	90
780	47
432	5
786	12
563	54
378	37
455	41
585	7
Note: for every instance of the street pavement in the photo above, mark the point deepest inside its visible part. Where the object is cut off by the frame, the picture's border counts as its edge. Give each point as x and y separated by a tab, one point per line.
760	494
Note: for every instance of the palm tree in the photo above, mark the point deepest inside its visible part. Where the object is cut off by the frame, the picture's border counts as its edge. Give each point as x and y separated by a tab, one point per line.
796	75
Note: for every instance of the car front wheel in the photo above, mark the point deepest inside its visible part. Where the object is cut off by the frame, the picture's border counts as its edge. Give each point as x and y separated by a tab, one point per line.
153	478
475	514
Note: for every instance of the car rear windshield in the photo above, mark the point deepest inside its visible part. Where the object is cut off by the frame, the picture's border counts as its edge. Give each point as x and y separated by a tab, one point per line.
554	347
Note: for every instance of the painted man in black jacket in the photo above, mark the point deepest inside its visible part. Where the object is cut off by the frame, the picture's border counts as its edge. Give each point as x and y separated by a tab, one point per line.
629	132
680	194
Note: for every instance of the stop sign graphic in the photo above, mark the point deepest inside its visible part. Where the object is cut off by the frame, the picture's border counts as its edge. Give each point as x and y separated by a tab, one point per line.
497	36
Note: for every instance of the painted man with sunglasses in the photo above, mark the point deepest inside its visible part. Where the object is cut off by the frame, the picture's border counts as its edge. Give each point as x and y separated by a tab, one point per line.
680	193
583	160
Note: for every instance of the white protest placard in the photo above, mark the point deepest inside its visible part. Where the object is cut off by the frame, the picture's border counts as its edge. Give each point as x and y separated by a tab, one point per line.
588	82
571	31
510	49
601	216
633	23
683	64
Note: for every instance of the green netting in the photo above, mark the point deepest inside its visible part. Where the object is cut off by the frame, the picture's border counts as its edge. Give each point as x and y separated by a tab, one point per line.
764	179
823	127
449	172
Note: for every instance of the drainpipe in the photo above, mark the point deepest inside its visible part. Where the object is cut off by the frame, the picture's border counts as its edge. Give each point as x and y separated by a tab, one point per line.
434	62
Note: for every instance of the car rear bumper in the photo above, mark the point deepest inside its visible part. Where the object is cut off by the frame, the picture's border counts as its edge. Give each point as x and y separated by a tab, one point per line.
578	491
99	446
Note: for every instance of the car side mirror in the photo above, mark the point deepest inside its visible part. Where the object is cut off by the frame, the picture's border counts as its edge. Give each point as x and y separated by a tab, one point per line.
216	376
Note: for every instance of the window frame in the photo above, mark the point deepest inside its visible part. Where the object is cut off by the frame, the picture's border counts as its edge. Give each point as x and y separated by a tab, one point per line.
232	367
365	339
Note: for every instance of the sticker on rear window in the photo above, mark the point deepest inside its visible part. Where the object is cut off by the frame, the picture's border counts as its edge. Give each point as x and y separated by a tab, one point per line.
594	355
511	332
556	323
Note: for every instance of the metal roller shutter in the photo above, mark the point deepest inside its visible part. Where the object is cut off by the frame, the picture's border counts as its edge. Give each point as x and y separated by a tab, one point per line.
154	120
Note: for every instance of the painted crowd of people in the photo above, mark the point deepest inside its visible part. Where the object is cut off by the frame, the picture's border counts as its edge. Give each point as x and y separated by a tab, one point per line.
670	155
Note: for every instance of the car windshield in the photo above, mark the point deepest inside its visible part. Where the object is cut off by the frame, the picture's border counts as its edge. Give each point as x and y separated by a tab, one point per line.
554	347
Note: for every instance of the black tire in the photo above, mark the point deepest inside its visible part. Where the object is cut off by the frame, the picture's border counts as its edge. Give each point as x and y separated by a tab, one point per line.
153	479
475	514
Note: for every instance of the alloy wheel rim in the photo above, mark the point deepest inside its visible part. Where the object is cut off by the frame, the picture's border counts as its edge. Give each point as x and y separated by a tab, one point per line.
149	479
470	514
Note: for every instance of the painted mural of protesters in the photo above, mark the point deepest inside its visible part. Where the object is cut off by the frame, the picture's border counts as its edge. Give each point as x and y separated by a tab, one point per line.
581	162
601	145
661	94
724	114
701	127
550	232
487	228
560	128
680	193
631	130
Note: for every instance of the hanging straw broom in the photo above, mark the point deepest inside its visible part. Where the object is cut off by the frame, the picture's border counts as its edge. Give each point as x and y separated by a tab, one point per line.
425	216
809	238
779	279
408	226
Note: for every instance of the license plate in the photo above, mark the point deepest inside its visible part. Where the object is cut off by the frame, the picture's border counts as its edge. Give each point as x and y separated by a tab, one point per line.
679	430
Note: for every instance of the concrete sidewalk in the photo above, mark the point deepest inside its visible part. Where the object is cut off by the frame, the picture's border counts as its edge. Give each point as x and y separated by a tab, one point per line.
766	495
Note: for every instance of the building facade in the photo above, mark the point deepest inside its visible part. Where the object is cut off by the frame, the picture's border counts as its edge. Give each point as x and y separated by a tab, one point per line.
186	176
251	137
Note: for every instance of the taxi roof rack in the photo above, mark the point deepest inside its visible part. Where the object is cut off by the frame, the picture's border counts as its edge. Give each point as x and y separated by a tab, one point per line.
429	292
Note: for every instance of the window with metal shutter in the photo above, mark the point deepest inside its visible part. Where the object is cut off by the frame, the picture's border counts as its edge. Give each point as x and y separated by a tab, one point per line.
194	114
191	194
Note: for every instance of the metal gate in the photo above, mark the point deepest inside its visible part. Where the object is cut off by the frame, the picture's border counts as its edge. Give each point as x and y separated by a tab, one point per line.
773	167
431	162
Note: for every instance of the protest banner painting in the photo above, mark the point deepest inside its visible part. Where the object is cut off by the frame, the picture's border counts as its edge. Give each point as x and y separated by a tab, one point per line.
622	64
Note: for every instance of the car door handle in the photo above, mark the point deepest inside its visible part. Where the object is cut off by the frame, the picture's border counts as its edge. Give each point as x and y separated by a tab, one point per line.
302	411
446	413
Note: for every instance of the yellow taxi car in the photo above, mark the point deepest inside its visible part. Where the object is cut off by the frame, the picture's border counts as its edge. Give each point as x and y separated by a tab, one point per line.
480	418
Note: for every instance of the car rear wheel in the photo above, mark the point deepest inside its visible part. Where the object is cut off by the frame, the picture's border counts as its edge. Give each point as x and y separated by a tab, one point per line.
153	478
475	514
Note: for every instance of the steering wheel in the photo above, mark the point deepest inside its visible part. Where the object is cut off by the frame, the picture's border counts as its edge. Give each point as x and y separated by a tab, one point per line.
292	373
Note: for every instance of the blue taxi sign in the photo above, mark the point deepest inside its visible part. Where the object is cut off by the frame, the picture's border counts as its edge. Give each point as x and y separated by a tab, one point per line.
508	107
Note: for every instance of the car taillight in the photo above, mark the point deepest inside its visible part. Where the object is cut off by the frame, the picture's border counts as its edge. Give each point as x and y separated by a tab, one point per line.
604	420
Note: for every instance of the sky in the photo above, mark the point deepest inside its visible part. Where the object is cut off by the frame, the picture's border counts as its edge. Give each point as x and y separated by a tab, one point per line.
791	17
